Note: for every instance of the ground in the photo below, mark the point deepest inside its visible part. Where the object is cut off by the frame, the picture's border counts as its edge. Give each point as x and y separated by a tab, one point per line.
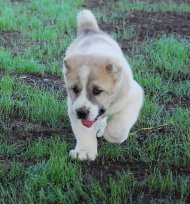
153	165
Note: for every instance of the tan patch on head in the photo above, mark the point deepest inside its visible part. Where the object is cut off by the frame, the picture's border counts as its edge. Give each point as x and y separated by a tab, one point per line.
73	62
103	70
105	73
91	73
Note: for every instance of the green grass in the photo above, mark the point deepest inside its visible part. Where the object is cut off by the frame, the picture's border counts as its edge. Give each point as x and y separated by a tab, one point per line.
18	99
169	56
19	64
152	166
50	23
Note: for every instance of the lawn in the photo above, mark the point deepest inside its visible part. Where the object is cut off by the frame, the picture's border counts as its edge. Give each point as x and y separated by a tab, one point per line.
153	165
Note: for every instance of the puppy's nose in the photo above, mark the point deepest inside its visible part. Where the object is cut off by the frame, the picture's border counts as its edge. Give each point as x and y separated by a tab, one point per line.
82	113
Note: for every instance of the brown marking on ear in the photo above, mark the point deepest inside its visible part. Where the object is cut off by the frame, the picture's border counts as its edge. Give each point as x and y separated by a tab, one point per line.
109	67
105	73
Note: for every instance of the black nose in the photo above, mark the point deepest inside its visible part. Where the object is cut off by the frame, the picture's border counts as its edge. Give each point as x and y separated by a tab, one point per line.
82	113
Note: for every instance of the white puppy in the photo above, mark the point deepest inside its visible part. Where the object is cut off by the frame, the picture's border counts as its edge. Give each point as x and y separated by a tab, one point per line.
99	83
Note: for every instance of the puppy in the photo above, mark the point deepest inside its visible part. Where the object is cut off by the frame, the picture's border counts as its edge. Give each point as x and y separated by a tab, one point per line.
99	83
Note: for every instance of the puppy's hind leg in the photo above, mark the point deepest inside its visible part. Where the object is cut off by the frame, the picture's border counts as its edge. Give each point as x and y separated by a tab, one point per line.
120	123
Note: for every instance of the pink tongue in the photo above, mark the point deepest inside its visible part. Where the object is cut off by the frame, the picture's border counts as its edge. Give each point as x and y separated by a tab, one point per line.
87	124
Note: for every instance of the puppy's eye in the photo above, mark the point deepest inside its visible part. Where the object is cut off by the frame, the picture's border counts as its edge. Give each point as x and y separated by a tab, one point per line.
75	89
96	91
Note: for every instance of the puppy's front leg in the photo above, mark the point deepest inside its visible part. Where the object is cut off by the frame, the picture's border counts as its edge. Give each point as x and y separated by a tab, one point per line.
119	126
86	147
120	123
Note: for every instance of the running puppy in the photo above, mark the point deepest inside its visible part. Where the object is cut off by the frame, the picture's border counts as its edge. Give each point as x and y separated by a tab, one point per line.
99	83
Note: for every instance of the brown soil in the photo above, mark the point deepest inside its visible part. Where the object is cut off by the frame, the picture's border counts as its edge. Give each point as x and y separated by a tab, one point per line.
21	130
151	24
12	40
18	1
113	168
7	37
47	82
176	102
93	4
154	1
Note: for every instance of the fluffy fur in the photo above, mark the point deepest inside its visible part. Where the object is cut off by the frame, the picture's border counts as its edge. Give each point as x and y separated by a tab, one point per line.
94	60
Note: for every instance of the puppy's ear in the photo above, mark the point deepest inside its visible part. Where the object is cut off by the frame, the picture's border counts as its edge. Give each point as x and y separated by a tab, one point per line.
113	70
66	63
110	68
73	61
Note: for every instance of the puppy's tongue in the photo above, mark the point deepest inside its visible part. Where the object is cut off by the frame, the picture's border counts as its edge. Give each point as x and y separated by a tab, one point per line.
86	123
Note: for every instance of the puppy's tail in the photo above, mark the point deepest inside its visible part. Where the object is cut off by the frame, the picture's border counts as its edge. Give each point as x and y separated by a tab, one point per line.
87	21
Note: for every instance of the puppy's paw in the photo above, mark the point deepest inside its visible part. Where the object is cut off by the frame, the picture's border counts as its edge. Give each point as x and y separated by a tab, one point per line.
113	138
83	155
100	127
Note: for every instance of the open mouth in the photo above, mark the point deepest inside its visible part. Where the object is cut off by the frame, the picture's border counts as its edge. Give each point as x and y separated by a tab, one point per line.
89	123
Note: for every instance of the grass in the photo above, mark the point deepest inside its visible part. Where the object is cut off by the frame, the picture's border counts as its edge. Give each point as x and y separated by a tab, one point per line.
152	166
48	24
18	99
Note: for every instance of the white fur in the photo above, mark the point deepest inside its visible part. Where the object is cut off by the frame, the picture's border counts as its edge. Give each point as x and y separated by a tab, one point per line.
86	21
123	112
122	120
82	99
86	147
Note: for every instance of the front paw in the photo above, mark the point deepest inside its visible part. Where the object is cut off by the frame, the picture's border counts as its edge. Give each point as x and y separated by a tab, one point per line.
113	137
83	154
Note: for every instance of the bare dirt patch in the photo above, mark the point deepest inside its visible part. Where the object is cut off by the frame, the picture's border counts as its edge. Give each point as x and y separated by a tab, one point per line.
114	168
9	37
19	129
48	82
13	40
105	3
167	1
95	4
111	168
18	1
175	102
151	24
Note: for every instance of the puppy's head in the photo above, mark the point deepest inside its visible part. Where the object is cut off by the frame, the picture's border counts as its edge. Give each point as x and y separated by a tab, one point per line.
91	82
